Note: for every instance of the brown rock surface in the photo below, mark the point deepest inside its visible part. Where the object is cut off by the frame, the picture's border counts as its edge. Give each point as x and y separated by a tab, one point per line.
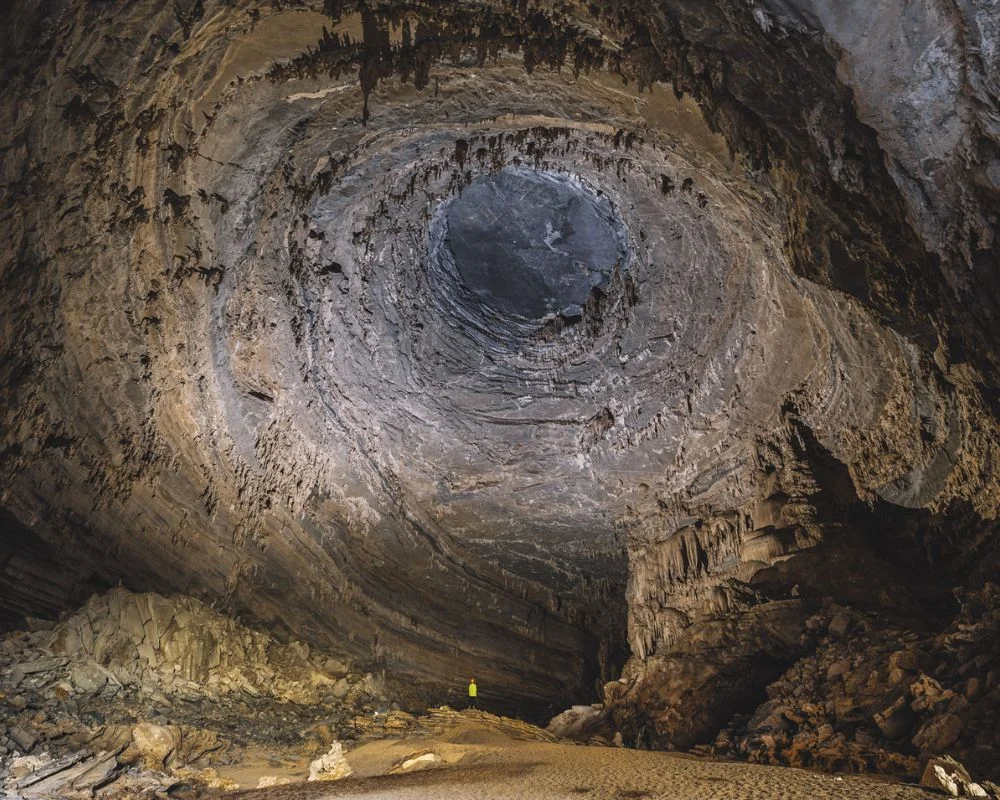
150	721
542	342
881	726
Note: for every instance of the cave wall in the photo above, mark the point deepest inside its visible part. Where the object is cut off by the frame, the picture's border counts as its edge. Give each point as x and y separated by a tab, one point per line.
237	363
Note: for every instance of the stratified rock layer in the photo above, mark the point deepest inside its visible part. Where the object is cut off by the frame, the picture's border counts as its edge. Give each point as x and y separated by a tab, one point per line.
136	692
245	357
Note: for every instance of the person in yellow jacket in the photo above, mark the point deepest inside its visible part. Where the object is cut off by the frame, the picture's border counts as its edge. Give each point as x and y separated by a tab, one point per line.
473	693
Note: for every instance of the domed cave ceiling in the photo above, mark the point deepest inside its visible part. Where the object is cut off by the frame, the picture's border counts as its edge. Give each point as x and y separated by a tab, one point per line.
510	339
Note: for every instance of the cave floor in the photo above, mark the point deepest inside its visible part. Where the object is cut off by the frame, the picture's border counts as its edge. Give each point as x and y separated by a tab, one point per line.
478	761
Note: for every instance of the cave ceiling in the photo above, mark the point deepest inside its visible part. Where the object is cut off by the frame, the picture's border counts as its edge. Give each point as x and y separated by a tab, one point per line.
506	338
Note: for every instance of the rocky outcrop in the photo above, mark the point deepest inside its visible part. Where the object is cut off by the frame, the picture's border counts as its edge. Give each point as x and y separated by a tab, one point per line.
182	647
867	696
137	691
579	723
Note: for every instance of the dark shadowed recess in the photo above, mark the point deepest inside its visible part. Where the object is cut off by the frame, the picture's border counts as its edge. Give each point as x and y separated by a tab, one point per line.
530	243
35	581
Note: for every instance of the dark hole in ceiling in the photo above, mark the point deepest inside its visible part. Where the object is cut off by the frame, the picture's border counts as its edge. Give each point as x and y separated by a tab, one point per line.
532	243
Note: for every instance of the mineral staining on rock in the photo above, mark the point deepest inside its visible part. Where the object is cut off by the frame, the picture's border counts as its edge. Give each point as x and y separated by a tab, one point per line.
554	346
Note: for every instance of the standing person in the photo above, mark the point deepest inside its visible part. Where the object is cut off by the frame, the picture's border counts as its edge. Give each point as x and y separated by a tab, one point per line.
473	693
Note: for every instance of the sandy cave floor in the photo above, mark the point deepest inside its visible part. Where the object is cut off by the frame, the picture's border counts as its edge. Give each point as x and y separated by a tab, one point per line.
485	764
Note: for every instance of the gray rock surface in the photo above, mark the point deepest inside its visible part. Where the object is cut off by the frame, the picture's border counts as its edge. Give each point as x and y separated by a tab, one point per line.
255	350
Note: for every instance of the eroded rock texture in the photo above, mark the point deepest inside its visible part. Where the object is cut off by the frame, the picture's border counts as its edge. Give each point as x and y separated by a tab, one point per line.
265	341
135	694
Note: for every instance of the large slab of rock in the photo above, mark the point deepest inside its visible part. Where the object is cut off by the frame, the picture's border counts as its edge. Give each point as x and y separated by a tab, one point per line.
415	762
946	775
21	670
71	776
577	722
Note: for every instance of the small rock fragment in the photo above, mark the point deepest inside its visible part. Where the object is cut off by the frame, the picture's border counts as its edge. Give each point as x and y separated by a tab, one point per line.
22	739
267	781
330	767
416	762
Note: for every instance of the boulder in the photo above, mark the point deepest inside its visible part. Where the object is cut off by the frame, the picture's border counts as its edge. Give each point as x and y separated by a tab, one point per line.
576	722
152	744
20	671
22	739
927	693
415	762
897	676
895	720
840	624
945	774
838	668
334	666
330	767
267	781
771	716
938	733
194	744
908	660
87	678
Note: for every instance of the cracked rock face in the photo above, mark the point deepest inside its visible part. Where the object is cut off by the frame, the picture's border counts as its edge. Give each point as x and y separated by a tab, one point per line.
515	343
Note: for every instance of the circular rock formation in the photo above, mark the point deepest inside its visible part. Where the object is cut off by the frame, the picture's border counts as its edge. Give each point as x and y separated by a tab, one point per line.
530	244
506	341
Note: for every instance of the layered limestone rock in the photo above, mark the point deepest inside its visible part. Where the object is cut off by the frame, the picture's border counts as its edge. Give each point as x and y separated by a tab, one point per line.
140	692
180	646
266	343
868	696
143	695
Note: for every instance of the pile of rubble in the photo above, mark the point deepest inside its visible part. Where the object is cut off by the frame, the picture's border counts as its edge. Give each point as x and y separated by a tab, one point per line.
140	693
869	697
178	645
878	699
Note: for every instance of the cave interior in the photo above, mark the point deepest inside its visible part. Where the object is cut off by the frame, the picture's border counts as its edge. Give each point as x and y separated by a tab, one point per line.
642	355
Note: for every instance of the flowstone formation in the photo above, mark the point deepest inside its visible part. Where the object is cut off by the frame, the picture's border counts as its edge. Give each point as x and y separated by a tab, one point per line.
542	343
